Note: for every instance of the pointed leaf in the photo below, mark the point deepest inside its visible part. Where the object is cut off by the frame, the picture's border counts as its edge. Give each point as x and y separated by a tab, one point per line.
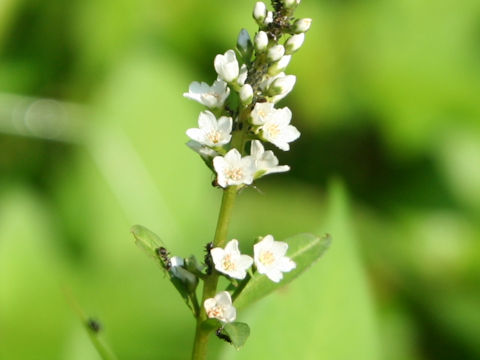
238	333
185	282
303	249
149	242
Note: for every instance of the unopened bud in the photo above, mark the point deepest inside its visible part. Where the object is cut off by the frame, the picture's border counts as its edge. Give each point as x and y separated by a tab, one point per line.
246	94
294	43
302	25
275	53
282	85
260	12
244	45
279	66
261	41
290	3
268	18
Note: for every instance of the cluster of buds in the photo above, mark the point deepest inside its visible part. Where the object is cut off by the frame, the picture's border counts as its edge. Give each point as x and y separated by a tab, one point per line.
242	112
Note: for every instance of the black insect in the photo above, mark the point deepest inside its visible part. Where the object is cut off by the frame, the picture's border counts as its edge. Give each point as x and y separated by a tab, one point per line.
208	258
94	325
223	336
163	254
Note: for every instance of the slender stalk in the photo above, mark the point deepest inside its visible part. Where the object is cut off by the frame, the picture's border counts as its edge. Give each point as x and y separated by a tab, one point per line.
210	283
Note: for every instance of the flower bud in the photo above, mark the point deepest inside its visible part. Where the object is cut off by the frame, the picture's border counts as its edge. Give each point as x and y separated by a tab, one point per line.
281	86
279	66
275	53
268	18
244	44
290	3
260	12
294	43
261	41
246	94
302	25
226	66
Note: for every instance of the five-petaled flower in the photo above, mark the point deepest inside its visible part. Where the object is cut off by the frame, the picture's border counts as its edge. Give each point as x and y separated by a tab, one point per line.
229	261
270	259
211	96
265	161
220	307
276	128
210	131
233	169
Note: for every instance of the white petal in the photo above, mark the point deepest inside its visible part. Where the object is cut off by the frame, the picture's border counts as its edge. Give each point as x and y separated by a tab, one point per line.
256	149
217	256
285	264
233	157
238	274
245	261
275	275
207	121
230	314
223	298
209	304
232	247
290	133
197	135
225	124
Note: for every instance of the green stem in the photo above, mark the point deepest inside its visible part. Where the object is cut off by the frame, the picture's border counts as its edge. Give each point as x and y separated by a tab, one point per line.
210	283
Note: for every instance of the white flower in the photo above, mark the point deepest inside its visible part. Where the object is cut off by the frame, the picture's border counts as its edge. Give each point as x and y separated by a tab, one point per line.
242	76
302	25
229	260
232	169
210	131
294	43
280	86
265	161
226	66
260	12
211	96
270	258
277	129
261	41
261	112
246	94
280	65
220	307
275	53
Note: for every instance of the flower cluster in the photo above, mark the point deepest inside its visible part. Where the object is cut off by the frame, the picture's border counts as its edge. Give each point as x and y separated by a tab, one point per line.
269	259
242	102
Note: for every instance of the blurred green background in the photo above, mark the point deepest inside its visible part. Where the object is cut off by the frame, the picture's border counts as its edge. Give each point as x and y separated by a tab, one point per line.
92	133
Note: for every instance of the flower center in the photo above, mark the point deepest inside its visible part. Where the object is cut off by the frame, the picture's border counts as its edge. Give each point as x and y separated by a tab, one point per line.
272	129
235	174
214	136
267	257
215	312
228	264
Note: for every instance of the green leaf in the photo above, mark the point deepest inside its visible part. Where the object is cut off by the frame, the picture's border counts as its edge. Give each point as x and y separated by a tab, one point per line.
211	324
238	333
185	282
303	249
149	242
